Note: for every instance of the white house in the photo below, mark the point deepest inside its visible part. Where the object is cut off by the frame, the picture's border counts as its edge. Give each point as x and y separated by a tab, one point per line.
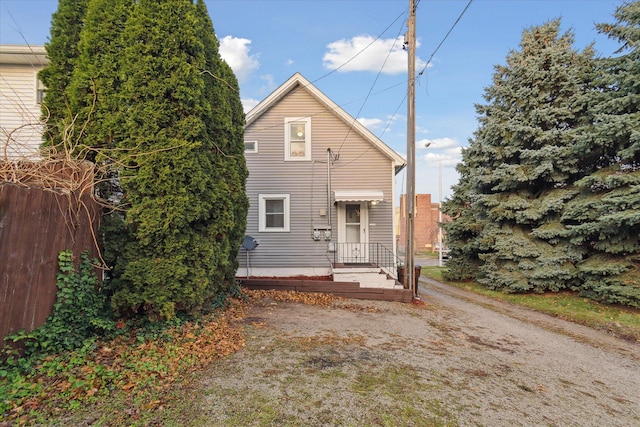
20	95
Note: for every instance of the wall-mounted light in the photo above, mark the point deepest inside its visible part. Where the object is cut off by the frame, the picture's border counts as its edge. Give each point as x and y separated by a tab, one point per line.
374	202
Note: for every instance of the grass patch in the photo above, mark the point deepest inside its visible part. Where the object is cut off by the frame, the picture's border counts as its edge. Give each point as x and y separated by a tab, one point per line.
353	392
392	381
257	410
619	320
403	386
427	254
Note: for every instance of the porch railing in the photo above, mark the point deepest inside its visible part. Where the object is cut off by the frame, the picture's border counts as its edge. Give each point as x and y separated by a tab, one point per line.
367	254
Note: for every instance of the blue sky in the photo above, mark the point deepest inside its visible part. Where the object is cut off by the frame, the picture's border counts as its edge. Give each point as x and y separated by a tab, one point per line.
266	41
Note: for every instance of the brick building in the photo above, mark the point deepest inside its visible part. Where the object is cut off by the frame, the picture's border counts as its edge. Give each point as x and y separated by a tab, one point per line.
425	223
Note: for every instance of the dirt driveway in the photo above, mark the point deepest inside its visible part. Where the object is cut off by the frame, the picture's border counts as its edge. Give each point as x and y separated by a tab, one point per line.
460	359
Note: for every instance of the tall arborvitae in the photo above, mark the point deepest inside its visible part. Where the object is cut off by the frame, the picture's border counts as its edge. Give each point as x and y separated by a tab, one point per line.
237	164
225	129
178	184
520	166
605	218
62	51
96	81
94	96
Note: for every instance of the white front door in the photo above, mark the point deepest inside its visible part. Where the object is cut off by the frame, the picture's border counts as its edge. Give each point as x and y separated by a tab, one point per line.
353	238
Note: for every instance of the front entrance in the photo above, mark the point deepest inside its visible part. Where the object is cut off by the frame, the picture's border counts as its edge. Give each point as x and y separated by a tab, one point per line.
353	233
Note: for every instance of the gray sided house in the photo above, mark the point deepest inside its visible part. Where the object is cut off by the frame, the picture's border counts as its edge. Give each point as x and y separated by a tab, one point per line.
321	192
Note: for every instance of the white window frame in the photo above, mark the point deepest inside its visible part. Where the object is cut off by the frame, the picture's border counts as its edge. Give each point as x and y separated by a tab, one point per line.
262	209
287	138
41	90
255	147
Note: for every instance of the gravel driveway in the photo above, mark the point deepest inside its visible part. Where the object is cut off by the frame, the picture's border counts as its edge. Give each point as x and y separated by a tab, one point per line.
461	359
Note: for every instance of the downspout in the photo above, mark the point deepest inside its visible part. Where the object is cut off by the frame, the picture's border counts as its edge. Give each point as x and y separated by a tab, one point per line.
329	186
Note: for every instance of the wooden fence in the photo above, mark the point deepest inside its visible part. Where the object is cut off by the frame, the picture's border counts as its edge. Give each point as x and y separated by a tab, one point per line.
36	224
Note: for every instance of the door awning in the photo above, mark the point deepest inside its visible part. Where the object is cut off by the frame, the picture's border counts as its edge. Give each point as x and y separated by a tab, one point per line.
359	196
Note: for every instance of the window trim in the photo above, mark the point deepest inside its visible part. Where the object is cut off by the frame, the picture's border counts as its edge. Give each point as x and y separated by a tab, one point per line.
41	91
255	146
262	219
287	139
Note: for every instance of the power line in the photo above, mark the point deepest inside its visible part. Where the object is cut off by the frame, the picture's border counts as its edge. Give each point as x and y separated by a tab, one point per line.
425	66
404	13
418	75
372	86
361	50
427	63
369	94
445	38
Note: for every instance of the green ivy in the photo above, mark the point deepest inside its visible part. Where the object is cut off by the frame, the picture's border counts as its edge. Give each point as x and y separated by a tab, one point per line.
80	312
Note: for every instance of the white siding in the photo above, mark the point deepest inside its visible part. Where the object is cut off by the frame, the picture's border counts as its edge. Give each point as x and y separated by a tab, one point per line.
360	166
20	126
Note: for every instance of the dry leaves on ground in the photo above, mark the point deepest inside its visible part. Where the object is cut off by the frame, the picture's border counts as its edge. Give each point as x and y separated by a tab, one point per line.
142	370
145	371
309	298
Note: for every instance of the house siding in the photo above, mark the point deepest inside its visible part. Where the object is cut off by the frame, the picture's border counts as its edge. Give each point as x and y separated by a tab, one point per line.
20	112
360	166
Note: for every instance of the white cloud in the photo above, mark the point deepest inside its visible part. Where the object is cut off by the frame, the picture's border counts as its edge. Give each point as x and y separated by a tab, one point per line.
448	158
454	152
365	53
371	124
235	51
248	104
268	86
268	79
445	152
437	143
421	130
289	62
392	119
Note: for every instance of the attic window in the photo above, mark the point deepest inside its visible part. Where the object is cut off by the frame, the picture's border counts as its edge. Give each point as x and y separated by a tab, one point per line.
251	146
297	137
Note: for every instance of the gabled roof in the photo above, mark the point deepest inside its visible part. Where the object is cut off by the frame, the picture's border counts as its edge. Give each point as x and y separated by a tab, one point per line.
296	81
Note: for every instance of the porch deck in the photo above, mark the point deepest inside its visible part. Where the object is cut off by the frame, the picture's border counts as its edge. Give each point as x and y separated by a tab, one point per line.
341	289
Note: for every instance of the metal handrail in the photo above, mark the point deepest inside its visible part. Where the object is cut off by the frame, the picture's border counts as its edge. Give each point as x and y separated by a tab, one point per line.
367	254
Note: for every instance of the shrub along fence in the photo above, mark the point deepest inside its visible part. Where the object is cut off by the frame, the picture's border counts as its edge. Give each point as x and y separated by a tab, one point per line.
45	208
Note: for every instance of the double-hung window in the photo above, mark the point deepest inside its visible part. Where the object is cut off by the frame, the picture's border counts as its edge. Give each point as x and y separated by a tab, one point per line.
41	90
297	136
274	212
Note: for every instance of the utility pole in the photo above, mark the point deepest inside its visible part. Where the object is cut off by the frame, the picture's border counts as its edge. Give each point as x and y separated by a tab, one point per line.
410	40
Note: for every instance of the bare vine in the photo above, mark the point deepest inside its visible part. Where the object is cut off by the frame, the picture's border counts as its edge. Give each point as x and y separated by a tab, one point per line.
64	169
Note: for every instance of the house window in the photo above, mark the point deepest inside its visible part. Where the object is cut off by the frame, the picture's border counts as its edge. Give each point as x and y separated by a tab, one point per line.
251	146
297	136
40	91
274	212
